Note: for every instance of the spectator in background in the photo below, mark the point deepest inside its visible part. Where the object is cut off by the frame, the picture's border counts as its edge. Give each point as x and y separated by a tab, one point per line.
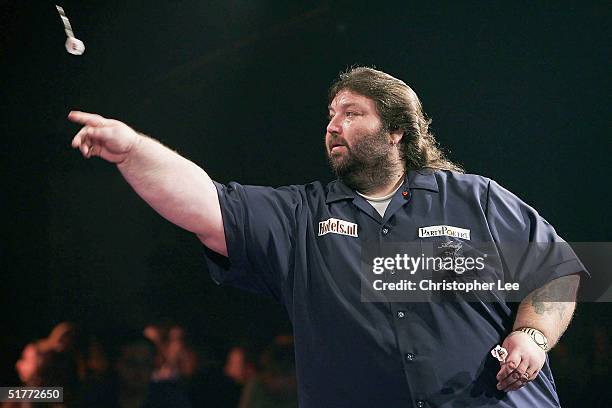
189	367
275	384
180	353
134	363
158	335
97	366
178	360
68	337
45	363
240	364
208	386
65	336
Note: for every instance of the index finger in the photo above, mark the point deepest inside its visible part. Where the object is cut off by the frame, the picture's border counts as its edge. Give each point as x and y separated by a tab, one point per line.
84	118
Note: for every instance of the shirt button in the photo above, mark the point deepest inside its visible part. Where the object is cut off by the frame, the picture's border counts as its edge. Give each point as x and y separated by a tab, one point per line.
385	231
410	357
401	314
420	403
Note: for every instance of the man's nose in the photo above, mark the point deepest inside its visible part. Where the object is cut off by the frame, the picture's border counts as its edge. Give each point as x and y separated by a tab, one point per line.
334	125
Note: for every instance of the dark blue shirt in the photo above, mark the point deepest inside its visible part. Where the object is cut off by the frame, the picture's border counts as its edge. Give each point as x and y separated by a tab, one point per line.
355	353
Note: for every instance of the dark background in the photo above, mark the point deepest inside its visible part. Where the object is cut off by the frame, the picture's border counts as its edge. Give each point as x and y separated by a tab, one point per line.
518	93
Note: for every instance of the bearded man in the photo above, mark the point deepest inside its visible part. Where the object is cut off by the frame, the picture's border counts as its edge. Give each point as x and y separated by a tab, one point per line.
303	244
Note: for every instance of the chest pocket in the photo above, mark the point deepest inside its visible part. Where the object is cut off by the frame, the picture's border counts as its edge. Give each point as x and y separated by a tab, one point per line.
459	260
447	255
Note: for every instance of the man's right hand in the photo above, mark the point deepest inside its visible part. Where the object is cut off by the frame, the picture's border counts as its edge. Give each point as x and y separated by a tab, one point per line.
175	187
109	139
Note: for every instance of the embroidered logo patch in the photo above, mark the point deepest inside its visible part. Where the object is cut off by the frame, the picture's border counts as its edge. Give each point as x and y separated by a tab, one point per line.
336	226
444	230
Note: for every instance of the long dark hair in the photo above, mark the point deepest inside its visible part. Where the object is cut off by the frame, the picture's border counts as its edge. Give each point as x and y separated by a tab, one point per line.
399	108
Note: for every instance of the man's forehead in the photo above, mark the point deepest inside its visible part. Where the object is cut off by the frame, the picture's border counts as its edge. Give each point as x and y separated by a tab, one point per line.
347	97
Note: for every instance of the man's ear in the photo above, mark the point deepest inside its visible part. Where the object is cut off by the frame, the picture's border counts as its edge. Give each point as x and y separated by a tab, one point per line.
396	136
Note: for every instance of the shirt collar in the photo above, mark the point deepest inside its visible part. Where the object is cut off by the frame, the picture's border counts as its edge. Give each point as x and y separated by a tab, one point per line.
417	179
337	190
423	179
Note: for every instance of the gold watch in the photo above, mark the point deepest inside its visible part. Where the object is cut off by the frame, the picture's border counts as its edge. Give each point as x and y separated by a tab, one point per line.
537	336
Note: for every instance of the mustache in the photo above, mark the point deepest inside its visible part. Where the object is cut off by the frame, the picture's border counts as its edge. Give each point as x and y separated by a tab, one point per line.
336	140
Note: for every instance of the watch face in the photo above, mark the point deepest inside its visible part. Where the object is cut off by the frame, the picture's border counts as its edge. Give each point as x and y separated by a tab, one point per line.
539	338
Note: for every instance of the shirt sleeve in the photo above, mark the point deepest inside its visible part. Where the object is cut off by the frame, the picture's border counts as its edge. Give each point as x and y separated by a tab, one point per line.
260	225
531	250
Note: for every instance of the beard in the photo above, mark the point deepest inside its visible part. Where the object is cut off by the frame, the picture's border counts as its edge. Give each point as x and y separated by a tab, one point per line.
366	164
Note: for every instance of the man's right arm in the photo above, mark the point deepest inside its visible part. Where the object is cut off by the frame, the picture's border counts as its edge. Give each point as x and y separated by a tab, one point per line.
175	187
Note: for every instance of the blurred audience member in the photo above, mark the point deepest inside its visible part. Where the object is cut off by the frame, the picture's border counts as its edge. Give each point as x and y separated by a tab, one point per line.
208	386
157	334
97	365
275	384
45	363
64	336
240	364
68	338
178	360
134	364
191	368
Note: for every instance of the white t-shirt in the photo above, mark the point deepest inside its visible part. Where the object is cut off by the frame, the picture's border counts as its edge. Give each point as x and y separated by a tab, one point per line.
381	203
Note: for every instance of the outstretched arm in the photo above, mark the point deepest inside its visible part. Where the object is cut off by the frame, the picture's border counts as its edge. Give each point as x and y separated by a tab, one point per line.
175	187
549	310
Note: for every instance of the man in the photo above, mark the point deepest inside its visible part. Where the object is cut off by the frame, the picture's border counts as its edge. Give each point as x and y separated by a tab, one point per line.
134	358
302	246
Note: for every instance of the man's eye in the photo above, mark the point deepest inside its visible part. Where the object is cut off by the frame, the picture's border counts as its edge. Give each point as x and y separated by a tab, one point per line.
351	114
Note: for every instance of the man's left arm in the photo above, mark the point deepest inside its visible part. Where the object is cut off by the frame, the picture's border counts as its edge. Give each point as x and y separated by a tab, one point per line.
549	311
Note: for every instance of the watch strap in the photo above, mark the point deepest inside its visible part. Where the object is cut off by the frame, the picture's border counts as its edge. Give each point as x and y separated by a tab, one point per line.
537	336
